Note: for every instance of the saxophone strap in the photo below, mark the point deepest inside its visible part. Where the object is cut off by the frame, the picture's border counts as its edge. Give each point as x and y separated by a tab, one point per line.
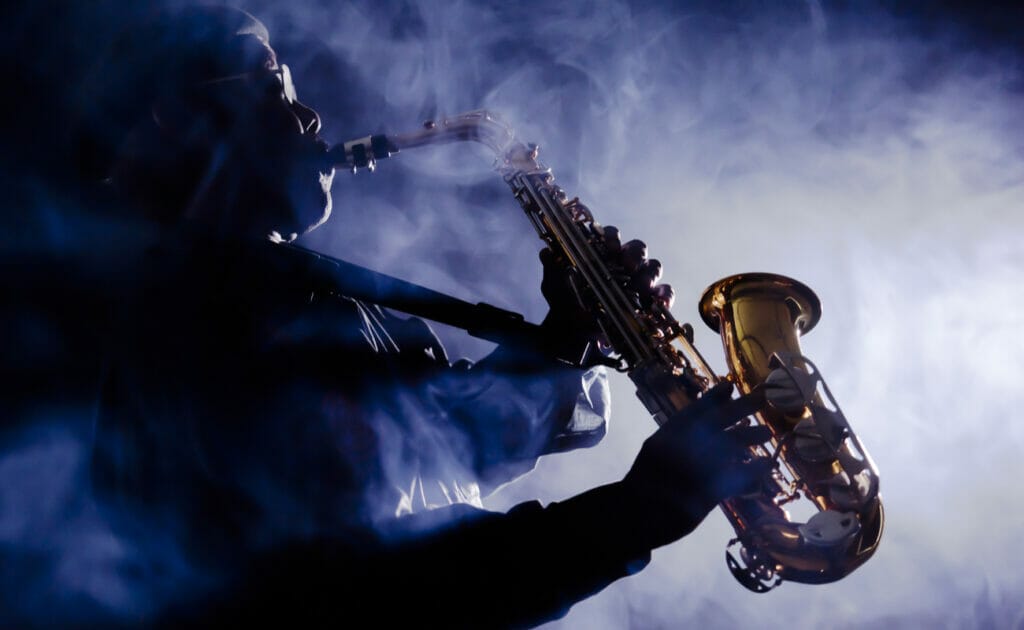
481	320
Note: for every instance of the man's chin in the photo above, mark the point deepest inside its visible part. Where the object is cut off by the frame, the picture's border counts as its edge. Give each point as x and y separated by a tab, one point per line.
325	200
328	205
310	208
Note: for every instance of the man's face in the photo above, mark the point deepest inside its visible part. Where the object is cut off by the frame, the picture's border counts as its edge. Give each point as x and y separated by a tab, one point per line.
271	154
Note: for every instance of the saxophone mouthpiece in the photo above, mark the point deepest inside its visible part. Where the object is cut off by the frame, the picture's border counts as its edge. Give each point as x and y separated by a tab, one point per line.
361	153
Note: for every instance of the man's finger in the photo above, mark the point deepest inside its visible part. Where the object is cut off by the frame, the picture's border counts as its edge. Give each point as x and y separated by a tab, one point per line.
721	391
665	294
712	414
611	239
715	397
730	446
749	436
693	424
731	411
634	253
647	276
737	479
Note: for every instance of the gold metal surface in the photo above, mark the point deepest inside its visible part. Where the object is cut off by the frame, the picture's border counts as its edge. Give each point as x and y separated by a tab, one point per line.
758	314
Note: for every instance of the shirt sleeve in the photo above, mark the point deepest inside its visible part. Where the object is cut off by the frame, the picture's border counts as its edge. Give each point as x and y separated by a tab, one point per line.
514	407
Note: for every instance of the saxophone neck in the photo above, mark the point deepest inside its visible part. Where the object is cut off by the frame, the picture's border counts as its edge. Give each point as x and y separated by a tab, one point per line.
482	126
479	125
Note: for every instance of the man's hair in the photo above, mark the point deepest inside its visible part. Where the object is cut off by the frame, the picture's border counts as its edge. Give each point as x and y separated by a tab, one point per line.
160	56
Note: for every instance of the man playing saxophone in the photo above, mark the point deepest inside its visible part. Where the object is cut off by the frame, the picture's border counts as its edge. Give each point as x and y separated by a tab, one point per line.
291	441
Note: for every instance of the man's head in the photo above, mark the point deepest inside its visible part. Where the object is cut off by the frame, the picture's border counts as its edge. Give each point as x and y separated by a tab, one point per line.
199	121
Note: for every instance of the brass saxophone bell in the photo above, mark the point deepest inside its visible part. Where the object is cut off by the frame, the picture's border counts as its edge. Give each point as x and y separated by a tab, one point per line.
760	318
758	314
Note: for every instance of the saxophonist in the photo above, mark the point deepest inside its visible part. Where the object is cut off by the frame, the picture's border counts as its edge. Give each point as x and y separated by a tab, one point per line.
312	455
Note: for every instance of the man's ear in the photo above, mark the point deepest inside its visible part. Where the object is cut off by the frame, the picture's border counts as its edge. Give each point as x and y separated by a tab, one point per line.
154	112
169	113
180	126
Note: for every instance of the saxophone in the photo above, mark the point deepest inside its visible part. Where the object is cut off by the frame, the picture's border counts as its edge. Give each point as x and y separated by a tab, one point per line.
759	316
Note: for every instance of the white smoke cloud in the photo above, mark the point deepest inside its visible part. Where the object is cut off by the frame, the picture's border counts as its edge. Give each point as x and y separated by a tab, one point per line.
882	168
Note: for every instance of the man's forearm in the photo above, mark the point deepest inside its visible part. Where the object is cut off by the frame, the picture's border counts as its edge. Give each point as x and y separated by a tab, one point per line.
479	569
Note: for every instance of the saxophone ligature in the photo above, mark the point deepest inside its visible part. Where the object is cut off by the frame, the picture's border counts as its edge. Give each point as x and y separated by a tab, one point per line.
819	460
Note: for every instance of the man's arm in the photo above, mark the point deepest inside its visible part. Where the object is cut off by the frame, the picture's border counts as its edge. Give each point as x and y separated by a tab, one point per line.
479	569
514	413
463	567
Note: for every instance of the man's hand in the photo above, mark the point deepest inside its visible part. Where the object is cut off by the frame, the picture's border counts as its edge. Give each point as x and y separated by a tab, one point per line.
695	460
636	274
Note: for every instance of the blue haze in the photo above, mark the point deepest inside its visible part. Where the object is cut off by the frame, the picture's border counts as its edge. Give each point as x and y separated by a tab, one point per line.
872	151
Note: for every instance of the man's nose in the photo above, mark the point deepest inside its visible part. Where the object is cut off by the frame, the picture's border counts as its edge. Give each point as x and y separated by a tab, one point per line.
308	118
